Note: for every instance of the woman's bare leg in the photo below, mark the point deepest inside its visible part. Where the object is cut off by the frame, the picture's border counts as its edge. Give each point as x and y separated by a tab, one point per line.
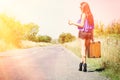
83	48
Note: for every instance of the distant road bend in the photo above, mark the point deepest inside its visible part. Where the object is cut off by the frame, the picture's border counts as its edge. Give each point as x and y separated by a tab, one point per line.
43	63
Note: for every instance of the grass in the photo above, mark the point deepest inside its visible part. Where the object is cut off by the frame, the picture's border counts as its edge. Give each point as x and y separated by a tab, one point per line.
74	47
24	44
29	44
112	58
110	52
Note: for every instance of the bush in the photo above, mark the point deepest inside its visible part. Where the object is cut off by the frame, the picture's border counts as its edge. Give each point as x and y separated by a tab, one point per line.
66	37
43	38
101	29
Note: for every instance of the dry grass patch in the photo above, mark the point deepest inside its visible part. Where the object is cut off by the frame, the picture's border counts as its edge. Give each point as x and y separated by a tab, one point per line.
28	44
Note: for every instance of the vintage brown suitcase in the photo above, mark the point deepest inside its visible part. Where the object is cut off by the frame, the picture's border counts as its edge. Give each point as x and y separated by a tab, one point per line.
94	50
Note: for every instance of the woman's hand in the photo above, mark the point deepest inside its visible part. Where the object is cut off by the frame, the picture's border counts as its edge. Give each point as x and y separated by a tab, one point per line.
70	22
75	24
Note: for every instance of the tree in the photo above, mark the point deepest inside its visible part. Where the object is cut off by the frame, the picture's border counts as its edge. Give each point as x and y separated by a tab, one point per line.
10	30
30	31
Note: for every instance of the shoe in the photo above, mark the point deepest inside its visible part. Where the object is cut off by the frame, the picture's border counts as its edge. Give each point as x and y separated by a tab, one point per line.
80	66
84	67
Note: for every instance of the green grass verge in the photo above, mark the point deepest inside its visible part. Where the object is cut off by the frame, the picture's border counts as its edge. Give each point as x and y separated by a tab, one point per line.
110	52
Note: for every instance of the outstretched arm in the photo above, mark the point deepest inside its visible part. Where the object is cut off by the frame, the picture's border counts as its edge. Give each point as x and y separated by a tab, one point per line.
81	24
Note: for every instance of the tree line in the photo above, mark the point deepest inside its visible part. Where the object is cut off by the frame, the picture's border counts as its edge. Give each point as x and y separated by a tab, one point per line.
112	29
13	31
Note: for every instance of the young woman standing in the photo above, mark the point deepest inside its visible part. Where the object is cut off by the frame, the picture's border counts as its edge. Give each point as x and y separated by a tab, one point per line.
85	25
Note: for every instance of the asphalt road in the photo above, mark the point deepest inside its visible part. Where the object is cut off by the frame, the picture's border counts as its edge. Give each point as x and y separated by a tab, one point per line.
43	63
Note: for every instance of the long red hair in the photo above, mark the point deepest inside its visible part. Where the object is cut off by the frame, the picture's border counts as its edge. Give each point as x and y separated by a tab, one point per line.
87	11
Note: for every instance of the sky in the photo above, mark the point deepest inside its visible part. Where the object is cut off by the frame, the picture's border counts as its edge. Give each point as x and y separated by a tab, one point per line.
52	15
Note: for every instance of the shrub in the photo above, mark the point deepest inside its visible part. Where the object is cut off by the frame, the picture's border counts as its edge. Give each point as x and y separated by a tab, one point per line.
66	37
44	38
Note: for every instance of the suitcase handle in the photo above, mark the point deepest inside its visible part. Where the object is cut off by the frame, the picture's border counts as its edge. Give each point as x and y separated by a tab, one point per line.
94	42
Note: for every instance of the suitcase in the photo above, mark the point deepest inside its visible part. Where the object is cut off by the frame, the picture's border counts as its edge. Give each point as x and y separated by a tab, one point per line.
94	50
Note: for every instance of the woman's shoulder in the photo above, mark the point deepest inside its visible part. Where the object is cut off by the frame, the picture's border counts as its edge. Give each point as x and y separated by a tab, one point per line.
83	15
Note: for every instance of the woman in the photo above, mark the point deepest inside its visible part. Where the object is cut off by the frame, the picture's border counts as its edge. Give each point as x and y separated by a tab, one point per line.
85	26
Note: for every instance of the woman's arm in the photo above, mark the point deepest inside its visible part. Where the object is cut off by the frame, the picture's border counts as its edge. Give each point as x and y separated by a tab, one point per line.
81	24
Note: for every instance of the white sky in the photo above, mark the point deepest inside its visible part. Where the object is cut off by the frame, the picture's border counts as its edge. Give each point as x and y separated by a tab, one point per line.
52	15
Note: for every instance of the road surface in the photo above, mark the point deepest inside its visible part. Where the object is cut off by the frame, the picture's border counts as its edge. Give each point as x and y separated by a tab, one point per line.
43	63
